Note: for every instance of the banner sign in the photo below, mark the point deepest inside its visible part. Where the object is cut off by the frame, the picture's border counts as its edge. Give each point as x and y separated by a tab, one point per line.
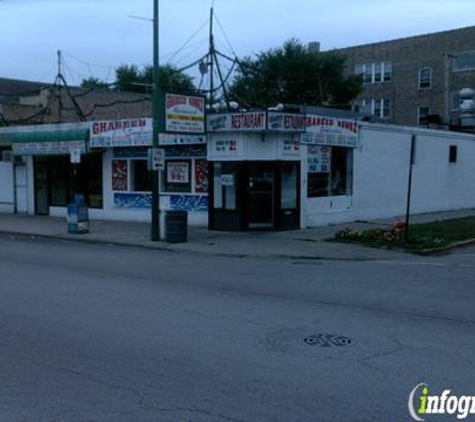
331	131
167	139
119	175
286	122
184	114
201	176
49	148
249	121
319	159
121	133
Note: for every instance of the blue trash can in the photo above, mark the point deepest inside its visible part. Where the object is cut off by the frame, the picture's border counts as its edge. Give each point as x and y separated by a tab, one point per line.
78	216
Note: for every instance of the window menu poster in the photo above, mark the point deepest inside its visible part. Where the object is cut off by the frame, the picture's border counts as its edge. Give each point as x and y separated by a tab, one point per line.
119	175
319	159
178	172
201	176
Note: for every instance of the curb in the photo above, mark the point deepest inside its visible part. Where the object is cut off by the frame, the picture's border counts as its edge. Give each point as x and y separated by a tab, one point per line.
442	249
164	248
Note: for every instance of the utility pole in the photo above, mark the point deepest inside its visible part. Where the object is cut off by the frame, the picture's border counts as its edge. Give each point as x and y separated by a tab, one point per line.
409	188
155	232
58	80
211	56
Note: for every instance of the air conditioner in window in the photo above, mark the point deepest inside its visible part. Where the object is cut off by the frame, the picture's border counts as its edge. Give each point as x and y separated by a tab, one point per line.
7	156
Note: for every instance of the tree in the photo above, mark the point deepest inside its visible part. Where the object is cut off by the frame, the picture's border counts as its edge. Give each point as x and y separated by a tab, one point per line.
93	82
133	79
293	75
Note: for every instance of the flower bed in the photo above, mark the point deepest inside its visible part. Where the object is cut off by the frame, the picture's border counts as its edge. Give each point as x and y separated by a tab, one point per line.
421	236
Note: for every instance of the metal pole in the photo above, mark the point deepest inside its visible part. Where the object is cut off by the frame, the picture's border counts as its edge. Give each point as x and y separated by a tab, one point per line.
409	188
212	57
155	235
447	86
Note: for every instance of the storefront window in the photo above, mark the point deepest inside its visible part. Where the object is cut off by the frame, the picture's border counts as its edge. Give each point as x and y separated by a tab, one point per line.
330	171
289	186
140	176
84	178
225	180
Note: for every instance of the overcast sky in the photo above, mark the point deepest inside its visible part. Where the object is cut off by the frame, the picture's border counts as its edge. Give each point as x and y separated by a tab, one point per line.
97	35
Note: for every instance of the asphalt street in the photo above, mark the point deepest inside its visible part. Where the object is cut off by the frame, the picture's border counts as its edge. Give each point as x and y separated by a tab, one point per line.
106	333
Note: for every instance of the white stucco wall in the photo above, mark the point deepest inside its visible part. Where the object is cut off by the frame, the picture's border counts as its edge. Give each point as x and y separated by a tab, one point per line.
6	187
381	173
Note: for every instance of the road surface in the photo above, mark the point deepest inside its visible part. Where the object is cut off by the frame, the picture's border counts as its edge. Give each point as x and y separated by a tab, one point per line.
103	333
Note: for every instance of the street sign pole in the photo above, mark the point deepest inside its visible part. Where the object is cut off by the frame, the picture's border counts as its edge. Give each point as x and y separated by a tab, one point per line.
155	232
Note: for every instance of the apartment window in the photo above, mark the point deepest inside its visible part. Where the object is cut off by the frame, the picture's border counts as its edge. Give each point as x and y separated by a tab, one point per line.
453	154
464	61
386	108
374	72
359	69
366	106
380	107
425	77
388	70
377	109
368	73
422	114
455	101
378	72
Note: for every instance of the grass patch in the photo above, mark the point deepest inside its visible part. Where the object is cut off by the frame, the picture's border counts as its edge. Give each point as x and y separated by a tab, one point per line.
421	236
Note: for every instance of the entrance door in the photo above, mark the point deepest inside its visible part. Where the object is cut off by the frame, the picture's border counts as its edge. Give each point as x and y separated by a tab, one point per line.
261	195
41	187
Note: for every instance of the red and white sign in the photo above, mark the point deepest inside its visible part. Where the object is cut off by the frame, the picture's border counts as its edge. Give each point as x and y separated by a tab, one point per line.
324	130
319	159
249	121
286	122
184	114
178	172
121	133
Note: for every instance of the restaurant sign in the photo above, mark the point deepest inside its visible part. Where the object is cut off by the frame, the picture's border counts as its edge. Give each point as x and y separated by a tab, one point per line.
248	121
121	133
184	114
330	131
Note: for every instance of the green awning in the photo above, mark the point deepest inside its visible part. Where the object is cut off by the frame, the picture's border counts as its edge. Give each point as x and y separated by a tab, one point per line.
50	143
6	139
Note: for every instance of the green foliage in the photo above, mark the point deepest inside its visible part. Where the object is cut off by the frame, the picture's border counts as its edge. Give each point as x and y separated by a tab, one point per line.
134	79
93	82
293	75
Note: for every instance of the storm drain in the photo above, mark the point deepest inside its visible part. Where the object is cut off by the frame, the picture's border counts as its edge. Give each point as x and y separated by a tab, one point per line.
328	340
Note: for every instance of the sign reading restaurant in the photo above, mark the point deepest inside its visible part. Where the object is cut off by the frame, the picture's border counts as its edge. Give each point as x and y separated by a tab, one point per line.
317	130
248	121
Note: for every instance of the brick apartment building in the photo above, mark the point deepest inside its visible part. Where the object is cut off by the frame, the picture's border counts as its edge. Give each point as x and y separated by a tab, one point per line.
408	79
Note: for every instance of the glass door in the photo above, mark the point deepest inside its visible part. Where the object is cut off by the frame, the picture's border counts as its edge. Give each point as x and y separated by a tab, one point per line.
261	192
41	186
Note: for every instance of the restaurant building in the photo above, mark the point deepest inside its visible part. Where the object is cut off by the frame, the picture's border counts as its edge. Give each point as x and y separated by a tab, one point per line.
251	170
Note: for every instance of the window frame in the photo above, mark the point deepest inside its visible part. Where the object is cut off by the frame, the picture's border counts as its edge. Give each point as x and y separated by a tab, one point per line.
423	80
419	113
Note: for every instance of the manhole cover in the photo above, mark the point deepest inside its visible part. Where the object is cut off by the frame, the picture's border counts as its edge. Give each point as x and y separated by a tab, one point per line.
328	340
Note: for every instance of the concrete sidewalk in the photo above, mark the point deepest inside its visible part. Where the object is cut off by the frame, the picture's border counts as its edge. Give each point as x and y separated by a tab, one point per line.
297	244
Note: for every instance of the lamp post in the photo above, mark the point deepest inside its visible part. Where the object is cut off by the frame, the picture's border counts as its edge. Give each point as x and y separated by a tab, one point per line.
155	232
